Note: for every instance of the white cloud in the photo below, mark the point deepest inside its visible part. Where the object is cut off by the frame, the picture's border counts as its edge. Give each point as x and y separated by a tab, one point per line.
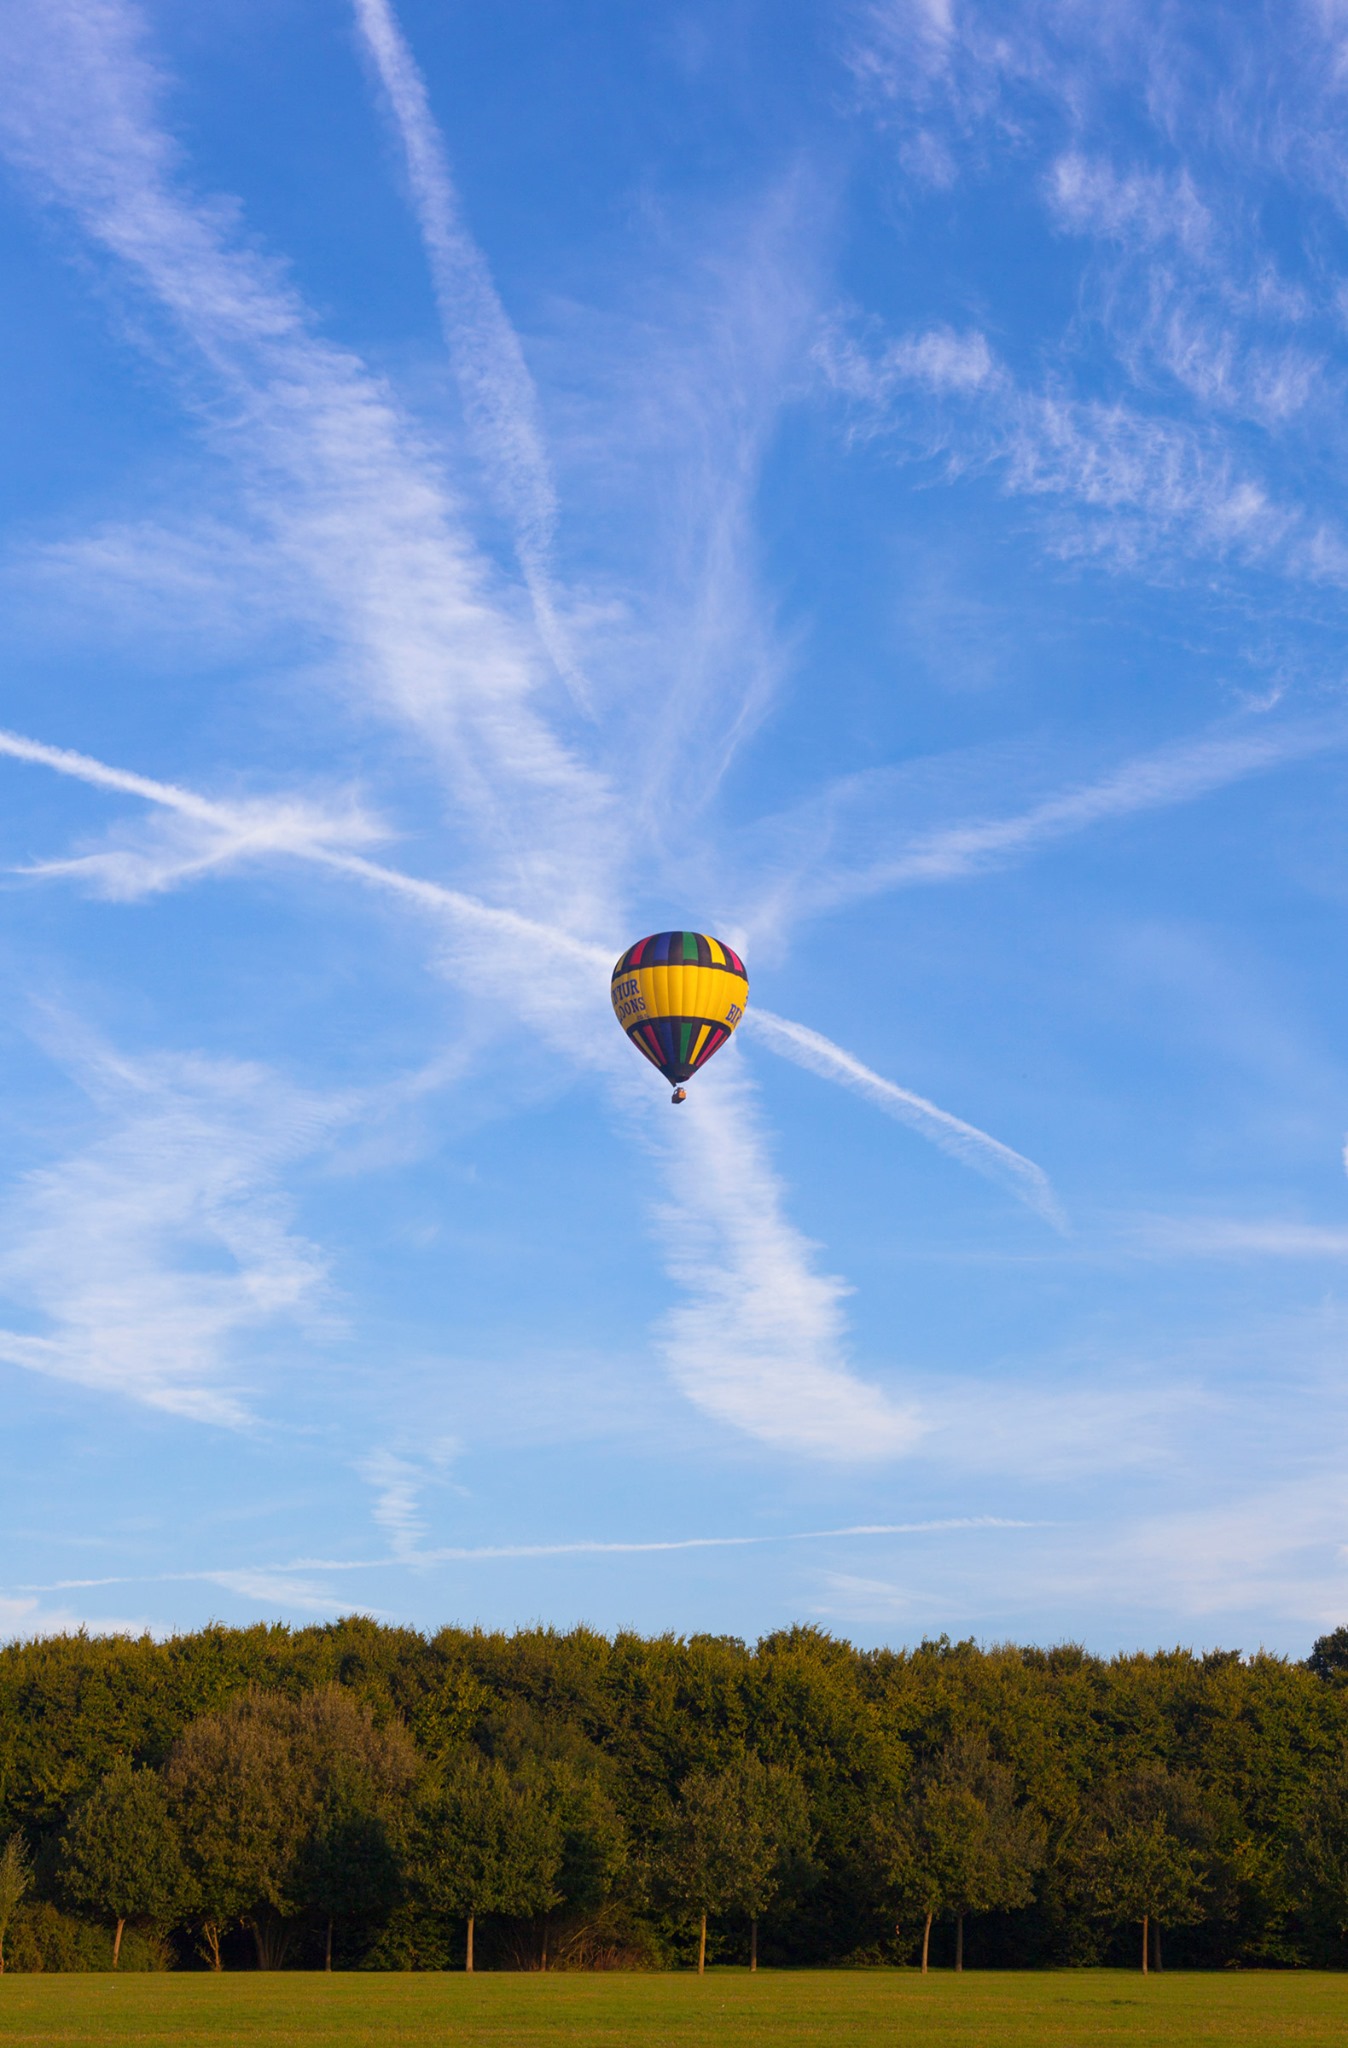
682	397
1128	484
1232	1237
850	1597
334	472
1209	311
1147	481
1280	1549
1087	195
499	395
758	1341
359	515
23	1620
1182	300
1183	772
761	1343
399	1480
138	1261
938	360
282	1590
159	591
204	834
339	469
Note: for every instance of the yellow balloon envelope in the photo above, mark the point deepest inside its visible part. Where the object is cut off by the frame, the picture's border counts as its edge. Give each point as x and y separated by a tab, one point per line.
678	996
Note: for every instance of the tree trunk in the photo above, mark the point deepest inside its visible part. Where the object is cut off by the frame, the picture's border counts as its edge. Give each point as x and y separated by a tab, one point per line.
702	1948
543	1951
327	1953
753	1941
271	1939
117	1943
926	1943
210	1934
1156	1944
468	1960
959	1941
1144	1943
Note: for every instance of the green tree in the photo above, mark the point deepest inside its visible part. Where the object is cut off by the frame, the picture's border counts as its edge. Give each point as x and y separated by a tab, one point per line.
909	1867
964	1844
121	1859
592	1841
1318	1855
772	1826
1140	1867
484	1841
251	1783
16	1875
1329	1656
348	1867
731	1838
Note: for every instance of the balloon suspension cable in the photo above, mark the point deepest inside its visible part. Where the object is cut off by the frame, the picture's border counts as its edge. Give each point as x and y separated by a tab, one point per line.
679	1095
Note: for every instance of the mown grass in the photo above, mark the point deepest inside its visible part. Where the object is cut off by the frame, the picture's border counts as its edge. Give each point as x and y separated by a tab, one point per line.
776	2009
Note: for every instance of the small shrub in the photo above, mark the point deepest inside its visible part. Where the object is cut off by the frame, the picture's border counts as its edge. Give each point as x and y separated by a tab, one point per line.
43	1938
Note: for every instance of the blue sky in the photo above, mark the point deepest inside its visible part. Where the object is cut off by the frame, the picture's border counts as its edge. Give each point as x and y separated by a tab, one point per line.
481	484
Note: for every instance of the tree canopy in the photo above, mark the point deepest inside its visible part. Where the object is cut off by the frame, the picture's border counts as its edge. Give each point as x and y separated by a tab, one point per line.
354	1793
121	1856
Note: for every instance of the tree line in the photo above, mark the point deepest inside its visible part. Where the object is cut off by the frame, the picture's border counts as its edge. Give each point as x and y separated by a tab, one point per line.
356	1795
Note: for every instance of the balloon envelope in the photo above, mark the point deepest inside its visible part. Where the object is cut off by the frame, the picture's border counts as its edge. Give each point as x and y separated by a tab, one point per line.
678	996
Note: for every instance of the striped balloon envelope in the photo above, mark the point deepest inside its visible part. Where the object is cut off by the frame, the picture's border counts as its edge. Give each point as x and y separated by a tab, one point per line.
678	996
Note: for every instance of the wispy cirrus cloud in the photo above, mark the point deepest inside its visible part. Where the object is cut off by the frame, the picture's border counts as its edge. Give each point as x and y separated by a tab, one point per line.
1239	1237
759	1339
25	1618
1213	325
221	833
425	640
1132	481
1140	206
331	468
772	1362
723	361
1184	772
205	834
133	1265
500	398
283	1591
1276	1550
1196	309
270	829
400	1480
342	481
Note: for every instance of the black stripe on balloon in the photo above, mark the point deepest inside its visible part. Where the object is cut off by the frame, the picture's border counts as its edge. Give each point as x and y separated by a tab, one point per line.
625	966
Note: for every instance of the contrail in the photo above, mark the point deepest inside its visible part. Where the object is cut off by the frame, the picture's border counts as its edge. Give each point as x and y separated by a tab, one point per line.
975	1148
86	769
1180	773
487	1552
287	829
499	397
281	829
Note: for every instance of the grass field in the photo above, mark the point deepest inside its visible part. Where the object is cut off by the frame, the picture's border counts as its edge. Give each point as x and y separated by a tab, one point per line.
835	2009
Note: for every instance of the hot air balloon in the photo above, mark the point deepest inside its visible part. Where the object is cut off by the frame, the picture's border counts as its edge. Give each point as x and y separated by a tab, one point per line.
678	996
